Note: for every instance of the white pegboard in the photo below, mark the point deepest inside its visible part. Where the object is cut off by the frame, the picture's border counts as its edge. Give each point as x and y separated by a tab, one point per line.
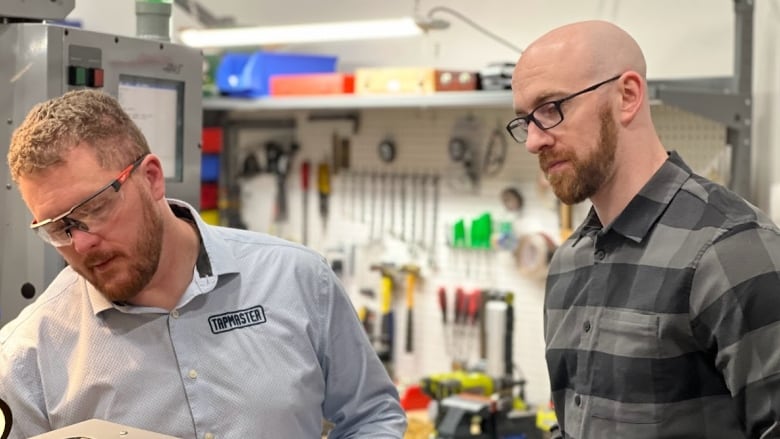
700	142
421	137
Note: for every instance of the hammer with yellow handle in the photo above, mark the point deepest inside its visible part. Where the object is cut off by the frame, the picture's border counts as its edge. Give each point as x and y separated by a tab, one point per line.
412	274
385	350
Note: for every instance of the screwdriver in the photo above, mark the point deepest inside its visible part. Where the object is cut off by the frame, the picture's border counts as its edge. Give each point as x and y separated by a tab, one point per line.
323	186
447	330
475	301
461	306
443	304
305	189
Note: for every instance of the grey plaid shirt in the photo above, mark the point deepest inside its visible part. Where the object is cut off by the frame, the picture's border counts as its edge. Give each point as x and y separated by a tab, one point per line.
666	323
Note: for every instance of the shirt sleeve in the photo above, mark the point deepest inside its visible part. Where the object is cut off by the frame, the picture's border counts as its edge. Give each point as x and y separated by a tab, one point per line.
735	312
20	388
360	398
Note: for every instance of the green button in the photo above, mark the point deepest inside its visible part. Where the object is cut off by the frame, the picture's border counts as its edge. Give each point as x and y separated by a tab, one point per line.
81	76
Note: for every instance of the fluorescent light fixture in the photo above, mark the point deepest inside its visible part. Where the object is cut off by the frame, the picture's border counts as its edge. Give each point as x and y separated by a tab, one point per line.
301	33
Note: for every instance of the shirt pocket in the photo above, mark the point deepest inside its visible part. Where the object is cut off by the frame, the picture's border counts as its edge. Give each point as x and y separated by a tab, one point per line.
628	334
624	367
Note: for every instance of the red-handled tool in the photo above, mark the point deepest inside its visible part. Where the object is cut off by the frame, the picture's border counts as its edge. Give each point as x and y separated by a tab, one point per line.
475	302
305	172
461	305
443	305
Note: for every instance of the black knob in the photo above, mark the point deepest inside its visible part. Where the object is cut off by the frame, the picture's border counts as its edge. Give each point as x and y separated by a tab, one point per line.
28	290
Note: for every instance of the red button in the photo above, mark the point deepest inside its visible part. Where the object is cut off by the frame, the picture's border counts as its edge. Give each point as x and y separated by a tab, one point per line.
95	77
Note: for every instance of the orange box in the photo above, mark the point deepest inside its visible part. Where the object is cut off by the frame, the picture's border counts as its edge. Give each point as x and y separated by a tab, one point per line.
414	80
312	84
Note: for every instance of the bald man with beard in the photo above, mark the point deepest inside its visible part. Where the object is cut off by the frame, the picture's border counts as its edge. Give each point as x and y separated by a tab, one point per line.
662	310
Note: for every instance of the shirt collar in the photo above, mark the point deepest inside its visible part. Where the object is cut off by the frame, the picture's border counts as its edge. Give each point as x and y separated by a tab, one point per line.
214	259
643	211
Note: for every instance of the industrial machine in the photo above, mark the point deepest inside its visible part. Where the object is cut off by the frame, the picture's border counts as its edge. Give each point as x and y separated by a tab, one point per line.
158	84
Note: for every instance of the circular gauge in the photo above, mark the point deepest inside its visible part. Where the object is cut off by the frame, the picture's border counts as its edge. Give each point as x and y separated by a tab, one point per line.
457	149
386	150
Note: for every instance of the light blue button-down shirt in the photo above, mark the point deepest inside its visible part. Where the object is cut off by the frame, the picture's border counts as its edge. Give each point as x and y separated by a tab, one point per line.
264	343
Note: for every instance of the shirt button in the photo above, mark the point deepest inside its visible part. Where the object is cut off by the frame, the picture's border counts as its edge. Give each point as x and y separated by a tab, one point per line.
193	374
586	326
175	314
208	436
600	255
577	400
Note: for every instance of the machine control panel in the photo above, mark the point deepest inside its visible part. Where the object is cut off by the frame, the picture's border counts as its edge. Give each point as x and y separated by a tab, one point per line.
85	67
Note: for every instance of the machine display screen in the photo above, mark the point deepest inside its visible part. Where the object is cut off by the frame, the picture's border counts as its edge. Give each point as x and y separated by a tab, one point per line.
157	107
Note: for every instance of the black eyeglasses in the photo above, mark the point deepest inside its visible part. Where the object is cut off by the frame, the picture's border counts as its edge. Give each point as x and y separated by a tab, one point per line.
88	215
547	115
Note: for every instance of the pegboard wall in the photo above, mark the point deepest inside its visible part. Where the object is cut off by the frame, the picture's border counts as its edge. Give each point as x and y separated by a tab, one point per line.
366	224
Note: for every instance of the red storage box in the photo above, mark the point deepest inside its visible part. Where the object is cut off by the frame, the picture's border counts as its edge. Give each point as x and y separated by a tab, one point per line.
209	196
312	84
212	140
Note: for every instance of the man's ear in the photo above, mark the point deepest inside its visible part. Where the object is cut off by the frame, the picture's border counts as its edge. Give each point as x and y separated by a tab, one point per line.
153	174
632	94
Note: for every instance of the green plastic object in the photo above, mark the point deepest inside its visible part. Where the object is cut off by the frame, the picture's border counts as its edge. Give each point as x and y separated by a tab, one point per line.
481	231
459	234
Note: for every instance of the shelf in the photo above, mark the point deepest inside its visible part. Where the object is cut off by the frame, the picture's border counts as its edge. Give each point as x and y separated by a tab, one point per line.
453	99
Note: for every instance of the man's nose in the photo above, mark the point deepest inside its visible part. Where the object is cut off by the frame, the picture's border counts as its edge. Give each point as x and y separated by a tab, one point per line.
537	139
82	241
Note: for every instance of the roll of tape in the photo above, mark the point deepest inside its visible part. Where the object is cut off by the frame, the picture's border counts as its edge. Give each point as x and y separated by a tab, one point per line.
533	254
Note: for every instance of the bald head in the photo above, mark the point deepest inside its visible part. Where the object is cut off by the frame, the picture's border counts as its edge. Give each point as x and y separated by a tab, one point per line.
594	50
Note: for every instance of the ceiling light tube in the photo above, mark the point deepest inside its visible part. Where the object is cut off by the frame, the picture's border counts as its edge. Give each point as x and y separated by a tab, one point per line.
300	33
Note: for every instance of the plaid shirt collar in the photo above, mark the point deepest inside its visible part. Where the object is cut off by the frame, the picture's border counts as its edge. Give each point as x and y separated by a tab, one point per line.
643	211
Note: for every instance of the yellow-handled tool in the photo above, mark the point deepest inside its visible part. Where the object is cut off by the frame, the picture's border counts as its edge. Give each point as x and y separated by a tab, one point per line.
323	187
412	274
385	348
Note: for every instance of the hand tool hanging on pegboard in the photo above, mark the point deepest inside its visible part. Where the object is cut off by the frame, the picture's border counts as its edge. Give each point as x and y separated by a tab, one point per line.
279	162
305	171
374	196
385	343
391	184
495	153
435	221
464	149
446	328
412	275
340	152
382	200
363	190
413	232
323	188
355	178
459	357
424	216
403	207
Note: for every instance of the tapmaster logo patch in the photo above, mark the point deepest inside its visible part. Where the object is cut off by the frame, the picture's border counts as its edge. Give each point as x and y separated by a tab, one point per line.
237	319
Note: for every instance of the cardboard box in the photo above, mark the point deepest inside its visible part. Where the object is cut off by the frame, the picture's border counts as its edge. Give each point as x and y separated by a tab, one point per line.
413	80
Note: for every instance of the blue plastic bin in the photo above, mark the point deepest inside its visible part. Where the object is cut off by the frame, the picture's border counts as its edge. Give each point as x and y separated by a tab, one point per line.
209	167
248	74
